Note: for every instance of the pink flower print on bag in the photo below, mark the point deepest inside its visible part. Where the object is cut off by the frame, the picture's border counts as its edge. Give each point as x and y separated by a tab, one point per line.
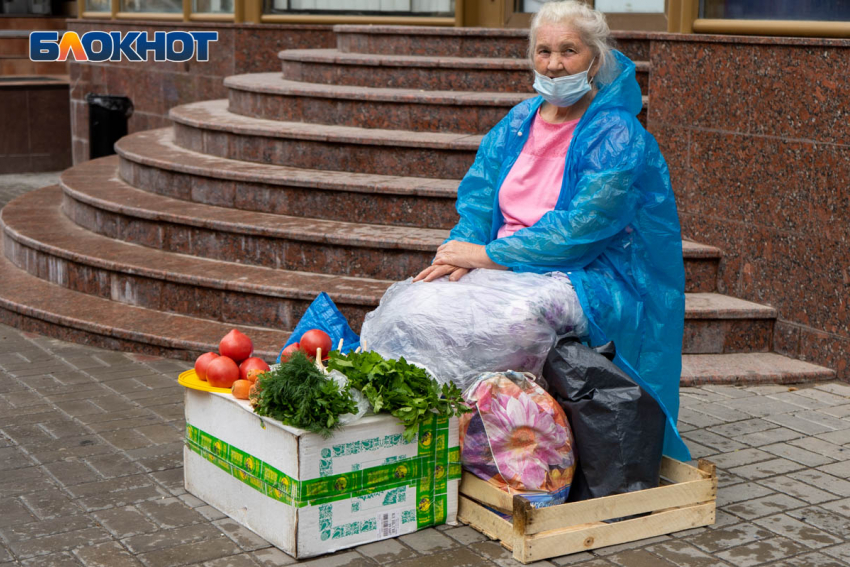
518	438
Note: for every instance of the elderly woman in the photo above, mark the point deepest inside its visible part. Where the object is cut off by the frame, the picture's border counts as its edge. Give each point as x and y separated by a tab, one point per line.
570	182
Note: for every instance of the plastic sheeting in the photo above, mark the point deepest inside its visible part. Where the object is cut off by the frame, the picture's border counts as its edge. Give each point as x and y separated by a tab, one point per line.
619	427
488	321
614	231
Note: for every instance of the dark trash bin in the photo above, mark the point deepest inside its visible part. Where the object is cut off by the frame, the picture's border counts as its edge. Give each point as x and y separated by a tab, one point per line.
108	117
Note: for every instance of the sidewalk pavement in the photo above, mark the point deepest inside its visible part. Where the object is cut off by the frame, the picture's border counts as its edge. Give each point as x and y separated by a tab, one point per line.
91	474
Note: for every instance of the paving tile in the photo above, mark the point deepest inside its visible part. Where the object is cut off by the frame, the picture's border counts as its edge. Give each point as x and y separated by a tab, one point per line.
42	528
752	509
111	466
465	535
811	560
799	400
170	538
797	423
828	398
838	388
50	503
839	507
739	492
764	469
72	472
171	479
583	558
718	442
765	407
428	541
740	457
126	439
611	549
65	541
720	411
713	541
170	513
840	469
272	557
836	437
695	396
387	551
797	454
241	560
491	550
124	522
110	554
639	558
743	427
784	525
13	512
243	537
210	513
840	552
828	521
797	489
760	552
842	411
52	560
684	555
343	559
698	419
822	480
196	552
822	447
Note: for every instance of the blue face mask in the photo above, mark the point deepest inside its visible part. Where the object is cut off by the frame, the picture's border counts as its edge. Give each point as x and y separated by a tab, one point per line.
563	91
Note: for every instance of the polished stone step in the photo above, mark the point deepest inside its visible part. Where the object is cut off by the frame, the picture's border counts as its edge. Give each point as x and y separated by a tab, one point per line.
270	96
98	200
43	242
749	368
33	304
151	161
436	41
207	127
424	72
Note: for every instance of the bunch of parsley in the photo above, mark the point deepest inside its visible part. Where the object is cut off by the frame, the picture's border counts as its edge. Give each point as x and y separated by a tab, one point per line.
299	394
399	388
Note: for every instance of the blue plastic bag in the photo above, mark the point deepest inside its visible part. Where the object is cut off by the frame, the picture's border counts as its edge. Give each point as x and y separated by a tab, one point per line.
323	314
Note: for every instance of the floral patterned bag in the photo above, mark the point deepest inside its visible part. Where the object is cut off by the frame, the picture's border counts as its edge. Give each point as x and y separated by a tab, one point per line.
518	438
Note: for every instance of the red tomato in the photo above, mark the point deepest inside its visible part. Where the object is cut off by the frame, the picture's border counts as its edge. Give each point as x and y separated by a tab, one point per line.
236	346
287	352
202	362
315	339
249	364
222	372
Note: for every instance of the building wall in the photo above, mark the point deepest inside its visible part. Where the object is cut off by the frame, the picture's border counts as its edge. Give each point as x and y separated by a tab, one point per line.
156	87
757	136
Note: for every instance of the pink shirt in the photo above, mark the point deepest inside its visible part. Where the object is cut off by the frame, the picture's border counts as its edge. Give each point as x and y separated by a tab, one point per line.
533	184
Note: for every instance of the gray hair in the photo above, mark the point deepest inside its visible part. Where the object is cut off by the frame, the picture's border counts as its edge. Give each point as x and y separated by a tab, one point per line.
590	25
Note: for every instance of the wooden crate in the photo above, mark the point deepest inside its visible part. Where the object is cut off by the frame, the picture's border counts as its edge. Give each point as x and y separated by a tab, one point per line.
685	500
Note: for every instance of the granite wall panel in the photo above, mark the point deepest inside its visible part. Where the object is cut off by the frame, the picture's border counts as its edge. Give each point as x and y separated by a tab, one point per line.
756	136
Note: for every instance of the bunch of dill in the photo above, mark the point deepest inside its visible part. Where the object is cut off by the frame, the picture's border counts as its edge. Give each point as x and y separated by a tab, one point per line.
299	394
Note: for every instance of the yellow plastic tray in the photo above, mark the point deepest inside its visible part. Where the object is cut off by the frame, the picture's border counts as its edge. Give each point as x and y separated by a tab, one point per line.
190	380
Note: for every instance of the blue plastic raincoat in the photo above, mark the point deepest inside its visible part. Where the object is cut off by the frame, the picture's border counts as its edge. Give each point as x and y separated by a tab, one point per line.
614	230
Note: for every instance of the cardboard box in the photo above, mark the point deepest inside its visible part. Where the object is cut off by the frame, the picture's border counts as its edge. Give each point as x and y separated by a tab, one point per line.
308	495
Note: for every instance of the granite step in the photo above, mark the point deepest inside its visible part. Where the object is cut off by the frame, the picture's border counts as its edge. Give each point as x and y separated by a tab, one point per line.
435	41
33	304
429	72
207	127
43	242
749	368
96	199
270	96
151	161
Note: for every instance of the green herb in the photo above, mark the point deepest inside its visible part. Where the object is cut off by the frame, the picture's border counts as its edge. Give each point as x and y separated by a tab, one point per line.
299	394
399	388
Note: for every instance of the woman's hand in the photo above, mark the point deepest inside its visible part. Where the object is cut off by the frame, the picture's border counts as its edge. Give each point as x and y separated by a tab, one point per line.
435	271
465	255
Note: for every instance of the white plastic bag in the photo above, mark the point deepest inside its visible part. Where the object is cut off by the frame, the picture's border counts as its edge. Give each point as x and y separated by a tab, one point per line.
363	404
488	321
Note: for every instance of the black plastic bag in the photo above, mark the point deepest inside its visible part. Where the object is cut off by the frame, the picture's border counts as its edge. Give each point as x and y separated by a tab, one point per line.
618	427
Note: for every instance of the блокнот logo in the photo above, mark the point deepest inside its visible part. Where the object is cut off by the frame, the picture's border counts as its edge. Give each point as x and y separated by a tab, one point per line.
99	46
